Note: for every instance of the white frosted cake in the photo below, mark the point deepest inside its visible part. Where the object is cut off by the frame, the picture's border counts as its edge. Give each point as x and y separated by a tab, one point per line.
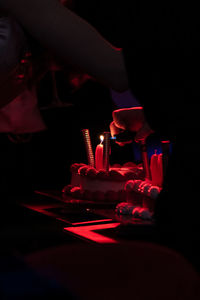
92	184
121	183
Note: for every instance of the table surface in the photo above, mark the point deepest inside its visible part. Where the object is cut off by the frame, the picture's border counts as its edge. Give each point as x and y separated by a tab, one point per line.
80	244
52	220
47	219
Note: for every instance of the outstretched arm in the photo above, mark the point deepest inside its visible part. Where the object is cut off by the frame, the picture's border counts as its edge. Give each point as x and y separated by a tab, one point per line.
71	38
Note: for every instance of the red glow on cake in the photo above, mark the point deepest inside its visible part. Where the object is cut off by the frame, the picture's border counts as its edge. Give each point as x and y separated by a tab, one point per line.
82	170
111	196
130	164
154	188
99	196
116	166
102	174
76	192
87	195
75	167
116	175
121	195
91	172
67	189
101	186
136	212
129	185
129	175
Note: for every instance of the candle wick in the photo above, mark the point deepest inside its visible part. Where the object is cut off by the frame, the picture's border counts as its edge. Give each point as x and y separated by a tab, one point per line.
101	139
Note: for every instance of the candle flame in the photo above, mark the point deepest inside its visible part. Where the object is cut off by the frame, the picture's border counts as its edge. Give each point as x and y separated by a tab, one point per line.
101	138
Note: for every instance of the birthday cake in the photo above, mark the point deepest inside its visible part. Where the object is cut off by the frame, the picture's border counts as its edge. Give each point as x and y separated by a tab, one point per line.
98	185
137	184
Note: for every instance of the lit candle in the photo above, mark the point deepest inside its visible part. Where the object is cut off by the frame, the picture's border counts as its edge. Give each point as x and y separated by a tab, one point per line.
99	154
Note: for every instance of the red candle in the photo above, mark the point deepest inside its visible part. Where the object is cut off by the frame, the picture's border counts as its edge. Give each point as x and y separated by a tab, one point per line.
155	169
160	169
145	160
99	154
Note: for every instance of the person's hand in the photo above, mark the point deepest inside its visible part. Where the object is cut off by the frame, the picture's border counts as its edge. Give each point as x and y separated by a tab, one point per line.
131	119
116	130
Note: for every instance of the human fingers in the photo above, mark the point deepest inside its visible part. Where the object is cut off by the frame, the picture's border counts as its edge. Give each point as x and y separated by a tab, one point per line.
114	130
129	118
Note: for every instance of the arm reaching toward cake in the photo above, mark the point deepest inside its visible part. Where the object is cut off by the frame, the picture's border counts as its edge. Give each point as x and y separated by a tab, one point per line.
131	119
71	38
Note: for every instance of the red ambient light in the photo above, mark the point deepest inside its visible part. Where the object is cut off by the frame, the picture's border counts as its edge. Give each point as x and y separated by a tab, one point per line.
90	222
88	232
